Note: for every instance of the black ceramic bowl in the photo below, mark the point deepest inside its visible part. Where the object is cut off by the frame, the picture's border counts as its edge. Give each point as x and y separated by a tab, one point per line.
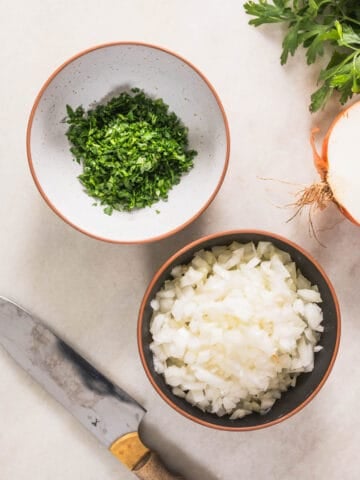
308	384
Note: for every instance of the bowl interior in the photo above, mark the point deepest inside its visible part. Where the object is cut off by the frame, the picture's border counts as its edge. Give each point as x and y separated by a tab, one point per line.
95	77
307	384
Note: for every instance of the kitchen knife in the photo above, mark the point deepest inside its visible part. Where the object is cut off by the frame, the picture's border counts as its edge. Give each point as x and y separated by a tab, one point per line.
102	407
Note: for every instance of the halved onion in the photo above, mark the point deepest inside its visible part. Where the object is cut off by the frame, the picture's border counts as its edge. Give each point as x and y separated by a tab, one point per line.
339	164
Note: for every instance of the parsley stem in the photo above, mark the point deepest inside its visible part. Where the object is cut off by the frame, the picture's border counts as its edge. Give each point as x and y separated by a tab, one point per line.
351	20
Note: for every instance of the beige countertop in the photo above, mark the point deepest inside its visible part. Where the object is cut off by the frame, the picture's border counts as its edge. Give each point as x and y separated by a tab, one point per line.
90	291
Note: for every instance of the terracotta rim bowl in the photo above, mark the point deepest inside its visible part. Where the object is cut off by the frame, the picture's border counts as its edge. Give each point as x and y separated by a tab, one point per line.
95	75
308	384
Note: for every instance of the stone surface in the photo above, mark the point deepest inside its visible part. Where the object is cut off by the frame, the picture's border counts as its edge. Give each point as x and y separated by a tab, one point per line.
90	291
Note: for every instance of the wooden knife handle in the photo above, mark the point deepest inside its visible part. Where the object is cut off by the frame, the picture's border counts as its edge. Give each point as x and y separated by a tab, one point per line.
146	465
152	468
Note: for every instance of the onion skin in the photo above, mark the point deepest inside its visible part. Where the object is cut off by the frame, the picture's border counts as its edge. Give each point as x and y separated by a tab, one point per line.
321	161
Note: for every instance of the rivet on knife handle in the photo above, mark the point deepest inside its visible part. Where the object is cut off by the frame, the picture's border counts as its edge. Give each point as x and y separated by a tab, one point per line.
146	465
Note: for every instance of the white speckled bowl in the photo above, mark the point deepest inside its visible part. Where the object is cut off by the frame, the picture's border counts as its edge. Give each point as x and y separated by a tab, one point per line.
95	76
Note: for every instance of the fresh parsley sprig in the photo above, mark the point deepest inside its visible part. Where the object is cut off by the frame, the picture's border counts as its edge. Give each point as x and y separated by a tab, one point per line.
314	24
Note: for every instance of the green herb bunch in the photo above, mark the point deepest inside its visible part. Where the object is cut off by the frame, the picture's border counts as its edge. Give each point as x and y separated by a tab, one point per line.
315	24
133	150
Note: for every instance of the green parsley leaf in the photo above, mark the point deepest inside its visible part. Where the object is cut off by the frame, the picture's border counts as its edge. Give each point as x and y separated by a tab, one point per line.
314	25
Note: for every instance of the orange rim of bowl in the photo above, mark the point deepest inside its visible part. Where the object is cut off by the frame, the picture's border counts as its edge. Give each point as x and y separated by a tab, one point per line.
189	247
46	198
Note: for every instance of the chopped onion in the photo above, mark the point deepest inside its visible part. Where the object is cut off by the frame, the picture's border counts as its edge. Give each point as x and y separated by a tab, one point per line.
235	327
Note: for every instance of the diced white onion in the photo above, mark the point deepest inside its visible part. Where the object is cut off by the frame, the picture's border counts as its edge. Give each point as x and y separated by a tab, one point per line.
233	329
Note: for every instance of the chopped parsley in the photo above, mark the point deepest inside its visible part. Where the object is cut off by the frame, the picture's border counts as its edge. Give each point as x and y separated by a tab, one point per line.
132	150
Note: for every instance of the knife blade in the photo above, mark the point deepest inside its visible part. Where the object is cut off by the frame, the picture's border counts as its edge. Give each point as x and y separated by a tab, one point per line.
102	407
